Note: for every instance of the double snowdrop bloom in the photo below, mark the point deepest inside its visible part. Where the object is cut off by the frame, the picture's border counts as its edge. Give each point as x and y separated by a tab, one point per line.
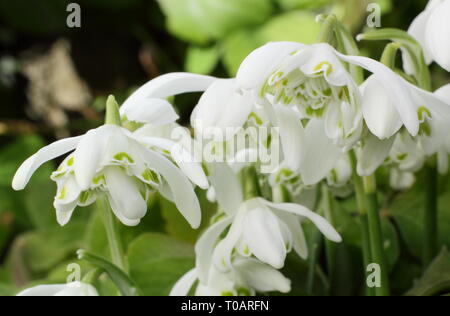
264	230
124	167
69	289
247	277
424	117
430	29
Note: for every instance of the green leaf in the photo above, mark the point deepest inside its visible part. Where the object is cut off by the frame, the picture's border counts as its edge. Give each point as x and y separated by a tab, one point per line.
156	262
201	60
296	26
436	280
43	250
126	286
407	211
303	4
177	226
202	20
236	47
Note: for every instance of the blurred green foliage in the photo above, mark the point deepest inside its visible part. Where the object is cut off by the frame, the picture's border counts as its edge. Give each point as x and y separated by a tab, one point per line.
122	44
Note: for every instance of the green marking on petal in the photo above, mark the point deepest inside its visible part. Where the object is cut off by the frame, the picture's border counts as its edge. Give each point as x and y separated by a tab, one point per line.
123	156
322	64
423	113
402	156
257	119
150	176
63	193
70	162
98	179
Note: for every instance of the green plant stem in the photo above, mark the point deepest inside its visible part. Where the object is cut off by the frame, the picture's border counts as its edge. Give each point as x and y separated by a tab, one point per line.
390	54
375	234
330	247
430	216
250	183
362	209
114	242
327	32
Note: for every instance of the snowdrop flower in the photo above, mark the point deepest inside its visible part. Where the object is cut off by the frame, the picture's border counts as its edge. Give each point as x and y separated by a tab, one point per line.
110	161
259	228
148	104
69	289
385	118
430	29
247	277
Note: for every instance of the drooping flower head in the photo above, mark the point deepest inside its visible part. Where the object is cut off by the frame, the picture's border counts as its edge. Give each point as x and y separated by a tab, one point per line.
112	162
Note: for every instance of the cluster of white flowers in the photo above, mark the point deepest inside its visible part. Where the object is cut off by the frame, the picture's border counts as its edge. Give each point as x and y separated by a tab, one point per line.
321	113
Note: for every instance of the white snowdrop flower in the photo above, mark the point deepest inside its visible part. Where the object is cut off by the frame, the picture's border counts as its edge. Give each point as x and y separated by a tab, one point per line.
113	162
430	28
69	289
247	278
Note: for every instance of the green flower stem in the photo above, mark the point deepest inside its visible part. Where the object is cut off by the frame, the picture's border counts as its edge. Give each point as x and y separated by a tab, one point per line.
114	242
430	217
375	233
330	247
250	183
327	32
390	54
362	208
92	276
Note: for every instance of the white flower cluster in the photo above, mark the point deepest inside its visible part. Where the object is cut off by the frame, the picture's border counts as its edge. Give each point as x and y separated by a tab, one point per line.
321	114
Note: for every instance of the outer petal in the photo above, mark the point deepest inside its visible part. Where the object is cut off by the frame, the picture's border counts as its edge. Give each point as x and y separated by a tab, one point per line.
45	154
320	222
380	114
373	154
263	236
397	88
90	153
437	37
125	193
292	136
262	277
299	241
204	248
153	111
418	31
184	285
43	290
182	190
319	154
165	86
222	107
262	62
227	187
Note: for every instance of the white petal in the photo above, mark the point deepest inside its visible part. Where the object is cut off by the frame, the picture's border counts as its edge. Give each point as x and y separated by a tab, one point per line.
397	88
437	38
319	153
204	248
165	86
184	285
373	154
153	111
443	161
221	107
263	236
262	277
119	214
418	31
190	167
182	190
262	62
380	114
43	290
292	136
299	241
78	289
89	154
321	223
227	187
45	154
125	193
